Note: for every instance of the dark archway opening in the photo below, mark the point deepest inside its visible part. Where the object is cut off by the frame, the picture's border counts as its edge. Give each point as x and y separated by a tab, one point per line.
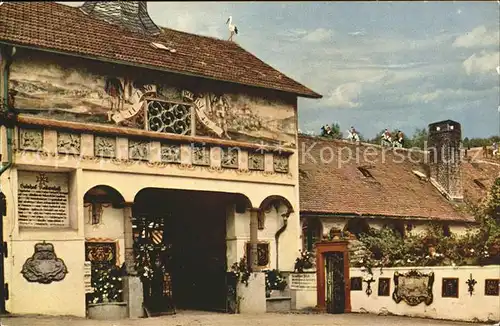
357	226
189	228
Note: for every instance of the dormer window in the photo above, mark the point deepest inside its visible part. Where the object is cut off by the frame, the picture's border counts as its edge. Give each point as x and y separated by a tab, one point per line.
365	172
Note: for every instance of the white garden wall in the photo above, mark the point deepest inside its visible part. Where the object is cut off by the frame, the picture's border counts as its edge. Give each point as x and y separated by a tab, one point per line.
477	307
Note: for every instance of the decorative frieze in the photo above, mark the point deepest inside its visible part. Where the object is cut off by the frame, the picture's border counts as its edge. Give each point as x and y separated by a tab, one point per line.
280	163
31	139
255	161
230	157
68	143
201	155
138	150
105	146
170	153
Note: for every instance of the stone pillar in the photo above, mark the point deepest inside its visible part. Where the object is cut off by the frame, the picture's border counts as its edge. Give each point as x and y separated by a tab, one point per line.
254	221
132	285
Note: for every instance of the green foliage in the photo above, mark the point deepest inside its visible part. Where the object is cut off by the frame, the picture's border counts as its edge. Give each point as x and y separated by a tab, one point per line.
275	280
480	245
480	142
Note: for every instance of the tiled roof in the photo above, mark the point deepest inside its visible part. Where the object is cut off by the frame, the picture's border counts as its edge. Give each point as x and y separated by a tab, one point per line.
66	29
339	187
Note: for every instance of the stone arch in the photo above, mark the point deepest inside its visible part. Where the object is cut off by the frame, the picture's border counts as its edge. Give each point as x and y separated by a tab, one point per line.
104	194
241	201
97	197
269	201
273	201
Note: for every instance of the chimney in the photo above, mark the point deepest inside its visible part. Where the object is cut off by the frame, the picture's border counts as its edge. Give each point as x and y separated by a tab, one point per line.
445	160
131	15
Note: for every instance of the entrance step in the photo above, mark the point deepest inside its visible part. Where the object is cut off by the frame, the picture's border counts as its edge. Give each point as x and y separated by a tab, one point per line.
278	304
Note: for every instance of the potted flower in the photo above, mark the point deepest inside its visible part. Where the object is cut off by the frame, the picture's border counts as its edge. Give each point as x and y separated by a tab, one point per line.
106	301
275	281
304	261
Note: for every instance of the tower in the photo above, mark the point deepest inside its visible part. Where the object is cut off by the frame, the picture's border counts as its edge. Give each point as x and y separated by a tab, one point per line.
445	160
131	15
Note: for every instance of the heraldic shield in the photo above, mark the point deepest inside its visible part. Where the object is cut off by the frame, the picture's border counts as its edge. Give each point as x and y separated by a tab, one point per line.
44	267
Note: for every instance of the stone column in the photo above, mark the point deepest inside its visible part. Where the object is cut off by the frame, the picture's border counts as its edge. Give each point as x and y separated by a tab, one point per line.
254	220
132	285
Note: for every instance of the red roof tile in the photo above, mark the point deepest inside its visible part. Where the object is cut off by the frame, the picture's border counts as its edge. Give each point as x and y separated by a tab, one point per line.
339	187
58	27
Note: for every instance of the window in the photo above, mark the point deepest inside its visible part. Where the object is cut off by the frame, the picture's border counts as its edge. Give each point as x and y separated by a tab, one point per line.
312	231
365	172
479	184
446	230
357	226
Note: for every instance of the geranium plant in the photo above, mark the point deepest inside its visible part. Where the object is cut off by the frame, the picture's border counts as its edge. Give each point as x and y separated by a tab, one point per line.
241	271
107	282
304	261
275	281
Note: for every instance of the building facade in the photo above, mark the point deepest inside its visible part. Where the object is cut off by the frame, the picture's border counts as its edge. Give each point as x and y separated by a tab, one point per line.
351	188
118	136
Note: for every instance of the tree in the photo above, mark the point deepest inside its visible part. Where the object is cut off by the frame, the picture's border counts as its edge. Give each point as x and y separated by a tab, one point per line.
419	138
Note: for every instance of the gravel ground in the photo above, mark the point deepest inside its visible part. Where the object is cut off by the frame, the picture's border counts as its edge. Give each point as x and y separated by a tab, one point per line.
189	318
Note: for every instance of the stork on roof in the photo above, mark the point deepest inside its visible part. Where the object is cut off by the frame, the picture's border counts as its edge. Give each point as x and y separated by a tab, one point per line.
232	28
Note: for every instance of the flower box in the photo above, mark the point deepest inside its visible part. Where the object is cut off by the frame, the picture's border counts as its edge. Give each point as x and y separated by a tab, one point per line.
107	311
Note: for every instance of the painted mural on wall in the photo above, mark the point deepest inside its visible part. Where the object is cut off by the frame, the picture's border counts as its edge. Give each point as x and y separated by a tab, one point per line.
69	89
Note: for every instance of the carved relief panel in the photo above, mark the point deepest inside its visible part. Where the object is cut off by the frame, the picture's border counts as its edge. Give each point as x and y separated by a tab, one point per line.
280	163
356	284
449	288
170	153
138	150
255	161
201	155
105	146
230	158
413	288
492	287
384	287
101	252
263	253
68	143
31	139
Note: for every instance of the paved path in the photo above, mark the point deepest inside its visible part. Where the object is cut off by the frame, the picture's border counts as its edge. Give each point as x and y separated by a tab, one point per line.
212	319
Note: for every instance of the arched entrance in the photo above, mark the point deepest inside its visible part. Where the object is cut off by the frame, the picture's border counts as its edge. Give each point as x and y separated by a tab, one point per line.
104	230
180	247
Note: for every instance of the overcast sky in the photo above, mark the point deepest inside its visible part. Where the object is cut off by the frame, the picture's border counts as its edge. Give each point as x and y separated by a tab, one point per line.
377	64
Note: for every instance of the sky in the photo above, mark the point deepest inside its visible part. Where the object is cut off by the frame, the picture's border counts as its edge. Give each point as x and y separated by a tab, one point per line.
396	65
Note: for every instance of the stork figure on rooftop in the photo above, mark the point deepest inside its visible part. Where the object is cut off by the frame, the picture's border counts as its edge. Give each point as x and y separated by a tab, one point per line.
232	28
